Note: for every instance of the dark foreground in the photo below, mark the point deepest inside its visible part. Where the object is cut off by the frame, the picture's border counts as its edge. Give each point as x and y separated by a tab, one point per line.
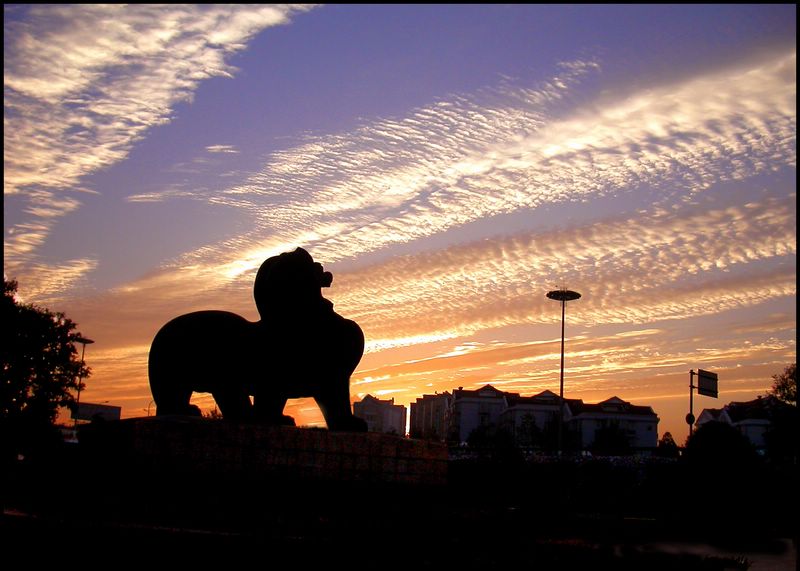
491	514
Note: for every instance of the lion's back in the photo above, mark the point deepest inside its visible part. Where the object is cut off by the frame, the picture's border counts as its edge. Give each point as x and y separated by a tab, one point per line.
200	348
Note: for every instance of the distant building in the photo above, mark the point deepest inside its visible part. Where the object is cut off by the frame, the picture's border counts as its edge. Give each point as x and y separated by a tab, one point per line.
752	418
473	409
532	421
527	418
381	415
639	423
92	412
430	416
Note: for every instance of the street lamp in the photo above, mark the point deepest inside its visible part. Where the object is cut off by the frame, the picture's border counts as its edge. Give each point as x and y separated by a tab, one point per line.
563	295
83	341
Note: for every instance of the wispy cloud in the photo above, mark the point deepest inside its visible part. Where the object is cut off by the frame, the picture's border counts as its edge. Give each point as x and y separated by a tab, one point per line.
668	265
164	193
83	83
504	151
664	266
46	283
606	363
222	149
499	153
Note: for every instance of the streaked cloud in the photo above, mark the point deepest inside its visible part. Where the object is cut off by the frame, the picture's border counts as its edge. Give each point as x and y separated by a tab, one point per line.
500	152
669	264
624	364
636	270
83	83
222	149
450	164
166	193
41	281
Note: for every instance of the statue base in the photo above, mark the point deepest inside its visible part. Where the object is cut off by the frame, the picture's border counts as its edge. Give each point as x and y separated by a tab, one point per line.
240	452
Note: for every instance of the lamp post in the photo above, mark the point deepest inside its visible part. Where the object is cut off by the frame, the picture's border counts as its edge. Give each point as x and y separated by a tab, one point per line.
563	295
83	341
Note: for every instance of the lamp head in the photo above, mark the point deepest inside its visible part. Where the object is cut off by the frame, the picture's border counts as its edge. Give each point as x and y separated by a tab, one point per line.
563	295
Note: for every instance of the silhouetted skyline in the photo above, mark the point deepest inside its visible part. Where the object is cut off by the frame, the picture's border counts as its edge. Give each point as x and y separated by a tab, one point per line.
450	164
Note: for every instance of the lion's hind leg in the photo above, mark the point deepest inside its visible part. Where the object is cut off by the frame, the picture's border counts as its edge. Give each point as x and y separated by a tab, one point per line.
175	401
269	410
234	404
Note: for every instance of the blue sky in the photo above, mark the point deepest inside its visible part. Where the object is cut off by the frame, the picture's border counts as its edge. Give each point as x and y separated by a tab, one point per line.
450	164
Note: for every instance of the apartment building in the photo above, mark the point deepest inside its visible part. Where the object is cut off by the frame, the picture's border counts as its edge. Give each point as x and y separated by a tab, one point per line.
532	420
381	415
430	416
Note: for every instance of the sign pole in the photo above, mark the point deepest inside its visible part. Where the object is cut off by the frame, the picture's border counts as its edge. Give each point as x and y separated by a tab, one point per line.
707	385
690	416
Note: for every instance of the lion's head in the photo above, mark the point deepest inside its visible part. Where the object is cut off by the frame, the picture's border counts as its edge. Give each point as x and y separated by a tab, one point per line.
290	283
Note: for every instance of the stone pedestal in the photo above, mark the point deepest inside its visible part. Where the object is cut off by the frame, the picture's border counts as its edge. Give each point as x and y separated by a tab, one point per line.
252	452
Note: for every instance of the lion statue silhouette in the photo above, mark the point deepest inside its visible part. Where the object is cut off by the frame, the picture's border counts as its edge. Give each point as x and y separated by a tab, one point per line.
299	348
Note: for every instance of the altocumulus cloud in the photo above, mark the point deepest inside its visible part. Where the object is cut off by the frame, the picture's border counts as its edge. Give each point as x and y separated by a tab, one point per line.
671	264
82	83
498	152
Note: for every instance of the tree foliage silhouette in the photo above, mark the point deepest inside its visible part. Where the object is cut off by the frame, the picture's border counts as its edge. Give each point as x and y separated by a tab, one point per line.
667	447
611	440
490	436
781	438
40	369
719	444
784	386
528	434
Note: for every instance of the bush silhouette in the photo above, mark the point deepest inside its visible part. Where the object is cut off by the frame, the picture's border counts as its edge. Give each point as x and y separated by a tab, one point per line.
718	443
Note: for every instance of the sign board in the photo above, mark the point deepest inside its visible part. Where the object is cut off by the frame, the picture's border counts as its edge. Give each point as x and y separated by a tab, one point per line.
90	411
707	383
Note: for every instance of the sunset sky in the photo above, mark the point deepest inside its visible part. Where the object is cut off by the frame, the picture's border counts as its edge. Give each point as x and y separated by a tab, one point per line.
449	164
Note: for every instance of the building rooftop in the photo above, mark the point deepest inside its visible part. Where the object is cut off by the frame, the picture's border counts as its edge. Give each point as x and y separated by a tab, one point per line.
762	408
616	405
379	401
483	392
543	398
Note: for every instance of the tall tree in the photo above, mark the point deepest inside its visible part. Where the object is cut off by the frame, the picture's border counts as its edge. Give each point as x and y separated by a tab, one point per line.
781	438
41	367
667	447
784	386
